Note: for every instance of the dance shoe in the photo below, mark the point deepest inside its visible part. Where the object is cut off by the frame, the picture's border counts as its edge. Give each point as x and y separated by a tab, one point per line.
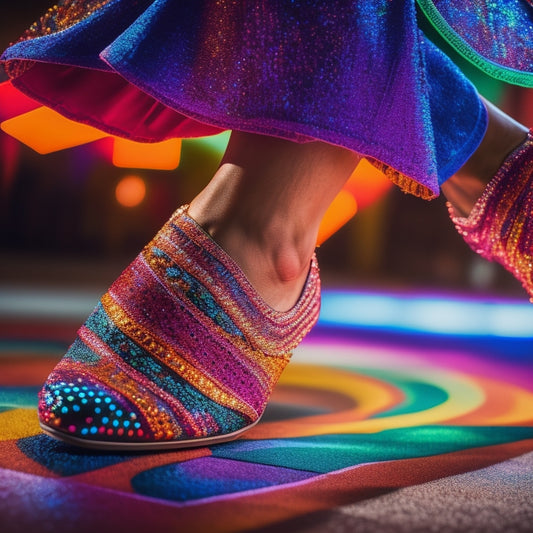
181	351
500	226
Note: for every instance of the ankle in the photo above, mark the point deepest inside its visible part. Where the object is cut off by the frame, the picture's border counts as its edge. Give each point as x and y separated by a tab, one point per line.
492	152
272	253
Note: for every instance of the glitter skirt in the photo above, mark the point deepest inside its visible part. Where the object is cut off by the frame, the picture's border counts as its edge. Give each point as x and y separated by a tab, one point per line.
355	74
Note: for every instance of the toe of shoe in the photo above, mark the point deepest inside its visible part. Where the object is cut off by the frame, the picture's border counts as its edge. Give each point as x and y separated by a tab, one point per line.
87	410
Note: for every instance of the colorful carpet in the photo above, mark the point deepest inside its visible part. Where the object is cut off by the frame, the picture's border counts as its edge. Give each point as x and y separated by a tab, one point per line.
372	428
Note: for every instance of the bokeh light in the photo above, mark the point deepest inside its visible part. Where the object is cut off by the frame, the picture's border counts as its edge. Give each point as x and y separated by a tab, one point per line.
130	190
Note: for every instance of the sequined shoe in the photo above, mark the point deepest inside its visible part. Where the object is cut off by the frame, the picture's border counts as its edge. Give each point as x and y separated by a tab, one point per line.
500	226
181	351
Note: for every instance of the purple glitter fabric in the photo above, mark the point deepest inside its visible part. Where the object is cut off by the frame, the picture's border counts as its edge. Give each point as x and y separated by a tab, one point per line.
355	74
495	36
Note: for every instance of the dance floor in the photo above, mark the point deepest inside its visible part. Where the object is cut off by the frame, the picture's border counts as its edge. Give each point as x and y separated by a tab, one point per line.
400	412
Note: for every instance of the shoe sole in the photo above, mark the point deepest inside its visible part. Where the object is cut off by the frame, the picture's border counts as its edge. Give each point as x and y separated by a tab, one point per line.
142	446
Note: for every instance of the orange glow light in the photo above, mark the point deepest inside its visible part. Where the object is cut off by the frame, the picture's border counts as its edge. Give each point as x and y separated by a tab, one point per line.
47	131
130	191
163	155
342	209
366	184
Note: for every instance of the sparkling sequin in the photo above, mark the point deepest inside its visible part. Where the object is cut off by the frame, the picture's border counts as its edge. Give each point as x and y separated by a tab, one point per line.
63	15
500	226
150	71
494	35
182	346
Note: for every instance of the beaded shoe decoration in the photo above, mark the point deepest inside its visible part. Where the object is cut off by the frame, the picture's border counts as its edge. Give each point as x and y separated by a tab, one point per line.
181	351
500	226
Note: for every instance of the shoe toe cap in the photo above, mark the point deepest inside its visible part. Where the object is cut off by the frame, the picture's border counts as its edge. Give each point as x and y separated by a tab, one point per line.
87	410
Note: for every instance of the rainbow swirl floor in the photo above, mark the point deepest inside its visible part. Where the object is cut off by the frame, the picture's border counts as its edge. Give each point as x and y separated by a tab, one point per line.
398	413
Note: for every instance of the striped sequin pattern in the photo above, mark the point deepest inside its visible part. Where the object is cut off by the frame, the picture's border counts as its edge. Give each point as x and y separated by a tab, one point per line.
500	226
180	348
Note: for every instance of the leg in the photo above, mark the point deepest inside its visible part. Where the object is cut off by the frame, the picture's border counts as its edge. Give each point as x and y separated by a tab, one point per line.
503	135
265	204
491	197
